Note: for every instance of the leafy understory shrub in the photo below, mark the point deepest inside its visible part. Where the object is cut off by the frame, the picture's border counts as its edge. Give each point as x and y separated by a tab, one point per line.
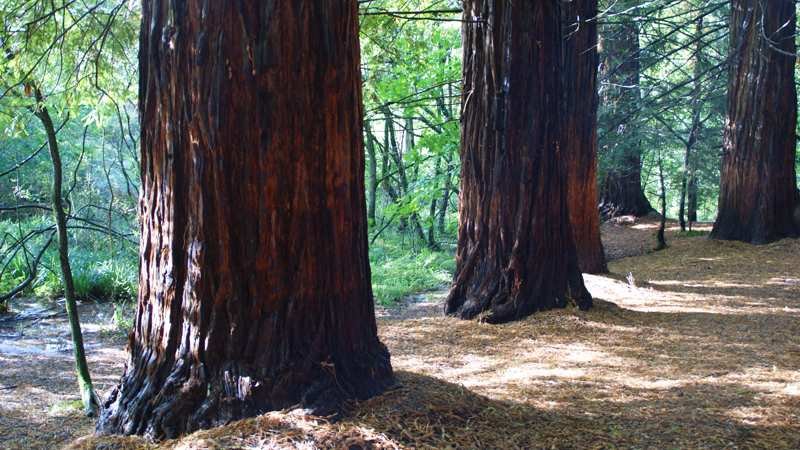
101	270
124	313
398	271
65	407
692	233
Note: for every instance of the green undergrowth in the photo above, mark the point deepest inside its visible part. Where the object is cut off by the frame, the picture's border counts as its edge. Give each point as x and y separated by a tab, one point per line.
401	268
102	270
400	265
65	407
692	233
97	277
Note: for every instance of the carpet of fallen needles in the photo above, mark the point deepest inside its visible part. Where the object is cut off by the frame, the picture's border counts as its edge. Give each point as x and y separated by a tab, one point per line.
696	346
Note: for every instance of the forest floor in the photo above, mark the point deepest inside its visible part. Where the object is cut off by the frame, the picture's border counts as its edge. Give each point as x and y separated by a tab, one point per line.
696	346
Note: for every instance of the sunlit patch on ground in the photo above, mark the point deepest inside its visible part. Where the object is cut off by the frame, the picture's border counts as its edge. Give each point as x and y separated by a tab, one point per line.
698	348
39	402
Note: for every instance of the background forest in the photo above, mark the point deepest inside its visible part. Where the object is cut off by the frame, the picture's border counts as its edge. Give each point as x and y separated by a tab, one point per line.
581	181
669	60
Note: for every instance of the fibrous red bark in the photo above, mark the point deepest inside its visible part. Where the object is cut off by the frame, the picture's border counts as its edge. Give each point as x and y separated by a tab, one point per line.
515	249
579	130
254	282
758	181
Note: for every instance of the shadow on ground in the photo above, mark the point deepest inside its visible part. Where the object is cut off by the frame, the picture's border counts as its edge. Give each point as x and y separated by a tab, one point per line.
428	412
700	350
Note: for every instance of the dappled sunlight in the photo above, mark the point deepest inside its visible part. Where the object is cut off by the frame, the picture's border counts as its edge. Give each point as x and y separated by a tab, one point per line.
792	389
790	282
713	283
538	371
42	391
696	350
706	276
699	357
643	296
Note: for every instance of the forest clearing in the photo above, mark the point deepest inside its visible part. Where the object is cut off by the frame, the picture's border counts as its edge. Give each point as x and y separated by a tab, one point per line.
701	350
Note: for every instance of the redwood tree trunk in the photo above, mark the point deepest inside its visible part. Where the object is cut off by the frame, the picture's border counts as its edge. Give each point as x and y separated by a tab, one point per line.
621	192
254	283
580	130
515	249
757	184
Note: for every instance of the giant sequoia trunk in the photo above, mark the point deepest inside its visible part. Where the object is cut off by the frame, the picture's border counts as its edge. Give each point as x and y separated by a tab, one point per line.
757	184
579	130
621	192
254	282
515	249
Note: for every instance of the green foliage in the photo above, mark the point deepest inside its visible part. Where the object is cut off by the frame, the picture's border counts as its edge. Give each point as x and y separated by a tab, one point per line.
692	233
78	60
661	116
65	407
101	270
124	316
398	271
411	71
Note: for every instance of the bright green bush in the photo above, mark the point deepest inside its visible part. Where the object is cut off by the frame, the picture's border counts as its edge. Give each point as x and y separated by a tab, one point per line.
100	271
398	271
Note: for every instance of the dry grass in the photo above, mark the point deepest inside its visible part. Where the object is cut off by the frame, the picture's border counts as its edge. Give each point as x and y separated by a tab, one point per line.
702	350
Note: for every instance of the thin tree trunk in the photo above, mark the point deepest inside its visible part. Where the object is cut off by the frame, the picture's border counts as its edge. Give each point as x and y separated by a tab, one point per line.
694	130
515	249
409	142
397	156
389	155
692	199
661	235
255	291
758	182
409	147
386	166
432	209
682	205
579	130
88	397
444	204
372	174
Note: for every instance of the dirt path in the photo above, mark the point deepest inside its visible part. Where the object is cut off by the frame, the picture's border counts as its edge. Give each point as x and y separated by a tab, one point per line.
700	349
38	392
